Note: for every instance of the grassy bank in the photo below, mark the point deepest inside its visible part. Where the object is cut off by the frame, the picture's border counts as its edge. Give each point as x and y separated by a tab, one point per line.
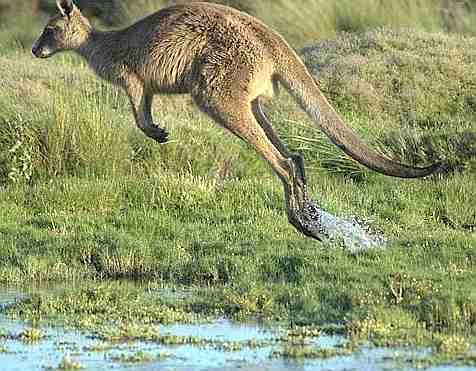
84	195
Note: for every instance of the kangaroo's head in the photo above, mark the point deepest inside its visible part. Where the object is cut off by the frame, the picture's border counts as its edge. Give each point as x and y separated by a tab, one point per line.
66	31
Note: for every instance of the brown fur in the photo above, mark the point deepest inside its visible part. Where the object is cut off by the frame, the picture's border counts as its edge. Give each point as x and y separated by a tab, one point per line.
229	62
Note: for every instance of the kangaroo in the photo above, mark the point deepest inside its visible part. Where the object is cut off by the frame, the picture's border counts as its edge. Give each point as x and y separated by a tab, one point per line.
230	63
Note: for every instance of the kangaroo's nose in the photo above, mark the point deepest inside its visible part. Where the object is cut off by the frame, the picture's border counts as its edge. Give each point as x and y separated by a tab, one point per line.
34	50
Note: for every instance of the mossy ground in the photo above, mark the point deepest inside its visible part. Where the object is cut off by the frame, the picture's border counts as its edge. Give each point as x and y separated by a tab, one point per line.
85	196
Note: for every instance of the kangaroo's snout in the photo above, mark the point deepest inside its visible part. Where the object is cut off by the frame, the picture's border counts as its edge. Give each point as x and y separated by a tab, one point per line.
35	50
41	52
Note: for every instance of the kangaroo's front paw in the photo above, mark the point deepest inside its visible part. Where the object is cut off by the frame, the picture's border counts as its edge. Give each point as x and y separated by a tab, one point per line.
159	134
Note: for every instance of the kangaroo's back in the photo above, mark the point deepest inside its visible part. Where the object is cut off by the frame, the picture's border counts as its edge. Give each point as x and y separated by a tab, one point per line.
168	47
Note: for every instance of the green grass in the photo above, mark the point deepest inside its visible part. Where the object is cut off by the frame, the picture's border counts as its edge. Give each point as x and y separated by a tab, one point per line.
414	90
177	231
85	196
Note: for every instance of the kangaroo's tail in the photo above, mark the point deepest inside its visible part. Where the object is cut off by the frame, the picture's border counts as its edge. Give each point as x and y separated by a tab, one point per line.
302	86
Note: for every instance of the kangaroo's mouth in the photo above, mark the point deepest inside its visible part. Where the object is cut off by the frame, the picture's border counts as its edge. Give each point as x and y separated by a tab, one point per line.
41	52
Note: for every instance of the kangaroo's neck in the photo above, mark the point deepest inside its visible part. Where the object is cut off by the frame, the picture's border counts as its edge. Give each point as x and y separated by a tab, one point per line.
104	52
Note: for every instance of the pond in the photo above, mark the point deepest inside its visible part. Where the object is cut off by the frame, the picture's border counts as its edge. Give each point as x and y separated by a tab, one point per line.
228	346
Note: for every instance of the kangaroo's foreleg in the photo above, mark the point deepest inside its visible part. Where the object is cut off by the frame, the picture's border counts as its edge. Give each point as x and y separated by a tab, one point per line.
141	102
260	116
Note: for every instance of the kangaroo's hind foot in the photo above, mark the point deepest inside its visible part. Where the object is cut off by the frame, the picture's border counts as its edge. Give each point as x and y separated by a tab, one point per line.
311	221
307	219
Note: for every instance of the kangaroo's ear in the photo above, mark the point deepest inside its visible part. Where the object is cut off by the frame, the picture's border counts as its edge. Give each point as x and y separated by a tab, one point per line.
66	7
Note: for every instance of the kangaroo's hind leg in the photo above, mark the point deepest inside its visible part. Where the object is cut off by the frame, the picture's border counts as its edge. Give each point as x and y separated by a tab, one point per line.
273	137
236	115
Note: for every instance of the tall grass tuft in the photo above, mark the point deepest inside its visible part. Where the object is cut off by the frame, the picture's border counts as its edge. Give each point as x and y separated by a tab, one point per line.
308	140
67	129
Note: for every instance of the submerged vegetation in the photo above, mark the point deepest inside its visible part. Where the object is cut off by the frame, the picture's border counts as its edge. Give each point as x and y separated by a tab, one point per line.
85	196
101	310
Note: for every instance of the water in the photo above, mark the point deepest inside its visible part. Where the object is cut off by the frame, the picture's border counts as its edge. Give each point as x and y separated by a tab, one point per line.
354	234
60	343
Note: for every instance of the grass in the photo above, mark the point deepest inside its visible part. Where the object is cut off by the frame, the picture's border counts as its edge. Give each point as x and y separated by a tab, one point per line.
85	196
139	357
66	364
307	352
419	105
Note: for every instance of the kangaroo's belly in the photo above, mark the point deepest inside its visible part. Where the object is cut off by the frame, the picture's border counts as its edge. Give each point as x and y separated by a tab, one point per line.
163	87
